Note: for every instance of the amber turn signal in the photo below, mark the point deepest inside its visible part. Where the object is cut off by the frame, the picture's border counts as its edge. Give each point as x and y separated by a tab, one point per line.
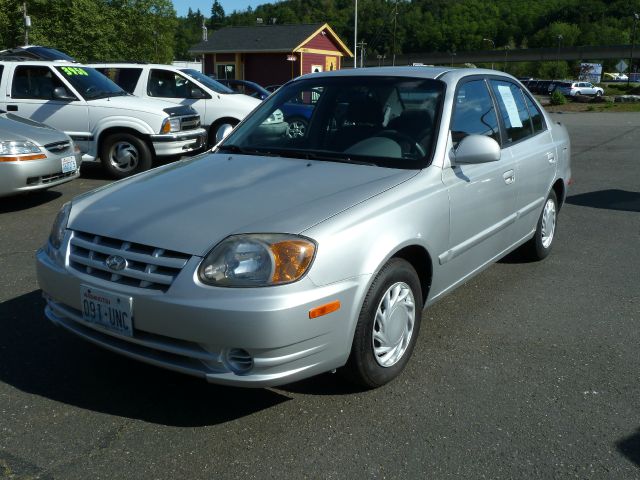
324	309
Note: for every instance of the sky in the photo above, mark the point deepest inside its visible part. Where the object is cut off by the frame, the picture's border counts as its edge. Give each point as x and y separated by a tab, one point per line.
182	6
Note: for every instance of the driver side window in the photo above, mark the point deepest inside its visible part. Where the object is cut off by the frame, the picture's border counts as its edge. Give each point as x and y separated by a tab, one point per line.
167	84
474	113
34	82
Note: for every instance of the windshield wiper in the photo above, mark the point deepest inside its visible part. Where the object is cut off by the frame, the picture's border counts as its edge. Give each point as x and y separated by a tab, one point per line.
103	94
245	151
323	156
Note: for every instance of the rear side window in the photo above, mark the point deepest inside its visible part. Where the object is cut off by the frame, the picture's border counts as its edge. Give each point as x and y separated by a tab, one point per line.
513	110
474	113
34	82
537	120
125	78
168	84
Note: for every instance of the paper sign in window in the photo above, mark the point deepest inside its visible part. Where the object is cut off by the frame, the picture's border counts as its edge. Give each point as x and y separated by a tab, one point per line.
510	105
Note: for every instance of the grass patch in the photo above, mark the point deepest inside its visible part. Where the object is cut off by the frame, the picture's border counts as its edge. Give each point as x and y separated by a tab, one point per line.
620	88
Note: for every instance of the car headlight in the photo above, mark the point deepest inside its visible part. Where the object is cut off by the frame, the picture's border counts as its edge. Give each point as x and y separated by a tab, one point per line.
59	226
276	117
257	260
170	125
18	148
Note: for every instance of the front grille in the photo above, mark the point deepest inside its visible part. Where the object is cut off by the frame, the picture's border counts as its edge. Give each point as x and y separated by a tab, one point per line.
190	123
146	267
43	180
58	147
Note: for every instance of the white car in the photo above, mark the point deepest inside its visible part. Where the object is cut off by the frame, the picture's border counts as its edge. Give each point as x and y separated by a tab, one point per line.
124	132
579	88
217	104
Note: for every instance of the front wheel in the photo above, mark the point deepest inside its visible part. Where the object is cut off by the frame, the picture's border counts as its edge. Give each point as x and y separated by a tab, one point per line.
539	247
598	93
218	126
387	327
124	154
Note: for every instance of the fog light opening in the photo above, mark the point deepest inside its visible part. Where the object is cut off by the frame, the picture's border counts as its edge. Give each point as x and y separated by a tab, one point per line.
238	361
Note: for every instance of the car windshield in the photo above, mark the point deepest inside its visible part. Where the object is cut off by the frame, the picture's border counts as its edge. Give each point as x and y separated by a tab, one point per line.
90	83
207	81
383	121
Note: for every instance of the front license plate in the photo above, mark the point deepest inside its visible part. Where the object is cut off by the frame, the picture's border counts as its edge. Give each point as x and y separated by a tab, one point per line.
109	310
69	164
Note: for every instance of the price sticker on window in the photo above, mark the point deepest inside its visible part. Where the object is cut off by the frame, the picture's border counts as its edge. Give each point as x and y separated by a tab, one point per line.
71	71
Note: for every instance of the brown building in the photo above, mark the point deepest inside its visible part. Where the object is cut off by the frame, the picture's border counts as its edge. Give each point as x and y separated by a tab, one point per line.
271	54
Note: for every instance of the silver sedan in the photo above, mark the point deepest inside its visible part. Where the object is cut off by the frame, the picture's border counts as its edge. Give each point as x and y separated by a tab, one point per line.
274	258
34	156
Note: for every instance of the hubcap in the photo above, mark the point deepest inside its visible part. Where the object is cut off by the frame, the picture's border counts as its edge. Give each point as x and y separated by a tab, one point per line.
393	324
124	156
548	223
296	129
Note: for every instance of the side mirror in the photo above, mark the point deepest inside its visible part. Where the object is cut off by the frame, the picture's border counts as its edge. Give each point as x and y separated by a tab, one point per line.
61	93
223	132
477	149
197	93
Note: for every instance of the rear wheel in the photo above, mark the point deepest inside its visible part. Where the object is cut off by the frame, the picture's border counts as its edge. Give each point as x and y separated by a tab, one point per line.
387	327
540	245
297	127
124	154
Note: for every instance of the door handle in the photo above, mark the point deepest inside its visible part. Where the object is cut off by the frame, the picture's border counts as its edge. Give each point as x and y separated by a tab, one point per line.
509	177
551	157
12	108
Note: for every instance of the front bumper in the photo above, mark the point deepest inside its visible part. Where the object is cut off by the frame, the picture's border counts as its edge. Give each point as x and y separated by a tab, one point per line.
25	176
179	143
191	328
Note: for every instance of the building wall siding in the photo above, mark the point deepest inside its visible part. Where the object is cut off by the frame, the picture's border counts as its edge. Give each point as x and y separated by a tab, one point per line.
321	42
269	68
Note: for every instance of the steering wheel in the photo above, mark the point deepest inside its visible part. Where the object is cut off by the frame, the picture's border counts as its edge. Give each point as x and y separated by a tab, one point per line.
408	144
90	90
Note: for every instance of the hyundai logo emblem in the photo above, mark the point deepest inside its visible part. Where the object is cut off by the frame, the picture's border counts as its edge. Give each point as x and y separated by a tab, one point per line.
115	263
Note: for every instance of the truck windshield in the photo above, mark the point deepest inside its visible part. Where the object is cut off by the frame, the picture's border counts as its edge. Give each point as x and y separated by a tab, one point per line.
208	81
90	83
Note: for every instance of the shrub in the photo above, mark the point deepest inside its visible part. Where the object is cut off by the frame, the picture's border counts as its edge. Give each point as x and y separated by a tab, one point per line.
558	98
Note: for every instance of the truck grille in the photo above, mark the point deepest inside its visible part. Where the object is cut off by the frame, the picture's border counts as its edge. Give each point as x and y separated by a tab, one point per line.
146	267
190	123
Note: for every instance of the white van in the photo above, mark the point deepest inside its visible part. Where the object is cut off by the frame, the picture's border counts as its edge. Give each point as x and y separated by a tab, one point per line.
217	104
108	124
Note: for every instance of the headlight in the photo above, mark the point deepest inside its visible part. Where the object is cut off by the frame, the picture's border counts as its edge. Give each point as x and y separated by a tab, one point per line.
170	125
59	226
257	260
18	148
276	117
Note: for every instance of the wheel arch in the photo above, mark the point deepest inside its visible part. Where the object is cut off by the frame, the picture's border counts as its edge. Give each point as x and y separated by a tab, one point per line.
560	190
131	131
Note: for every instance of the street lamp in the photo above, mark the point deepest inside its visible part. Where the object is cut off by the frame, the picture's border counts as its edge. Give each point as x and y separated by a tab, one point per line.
493	47
636	17
355	38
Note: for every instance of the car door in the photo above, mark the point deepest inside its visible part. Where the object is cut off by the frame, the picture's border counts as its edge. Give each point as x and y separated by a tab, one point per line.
32	96
481	196
528	141
176	88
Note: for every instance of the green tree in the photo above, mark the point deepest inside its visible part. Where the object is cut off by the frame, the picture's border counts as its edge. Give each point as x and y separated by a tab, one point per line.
217	19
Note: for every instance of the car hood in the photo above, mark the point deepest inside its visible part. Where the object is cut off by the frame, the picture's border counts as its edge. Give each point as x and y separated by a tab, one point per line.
191	205
13	127
135	104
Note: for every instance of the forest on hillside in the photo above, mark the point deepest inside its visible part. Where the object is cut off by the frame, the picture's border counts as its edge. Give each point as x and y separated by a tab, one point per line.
149	30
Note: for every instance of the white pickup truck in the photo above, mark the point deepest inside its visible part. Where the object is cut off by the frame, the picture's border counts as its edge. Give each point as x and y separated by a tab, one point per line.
217	104
124	132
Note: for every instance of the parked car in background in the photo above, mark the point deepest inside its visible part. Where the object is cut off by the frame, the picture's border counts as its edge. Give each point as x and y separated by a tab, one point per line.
217	104
579	88
276	258
123	132
34	156
247	88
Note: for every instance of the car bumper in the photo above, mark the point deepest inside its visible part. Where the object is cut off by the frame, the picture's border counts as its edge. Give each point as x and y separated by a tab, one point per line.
179	143
192	328
25	176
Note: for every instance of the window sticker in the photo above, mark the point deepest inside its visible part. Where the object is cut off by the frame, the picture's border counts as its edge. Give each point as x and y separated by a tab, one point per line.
70	71
510	105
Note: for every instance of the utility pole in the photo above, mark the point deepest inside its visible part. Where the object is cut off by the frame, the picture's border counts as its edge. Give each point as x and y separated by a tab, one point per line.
355	38
27	24
636	17
558	57
493	46
362	45
395	26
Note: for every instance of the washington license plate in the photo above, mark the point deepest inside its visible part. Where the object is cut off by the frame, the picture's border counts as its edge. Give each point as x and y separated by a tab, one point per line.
69	164
108	310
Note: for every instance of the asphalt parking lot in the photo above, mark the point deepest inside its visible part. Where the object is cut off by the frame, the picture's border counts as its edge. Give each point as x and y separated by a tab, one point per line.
530	370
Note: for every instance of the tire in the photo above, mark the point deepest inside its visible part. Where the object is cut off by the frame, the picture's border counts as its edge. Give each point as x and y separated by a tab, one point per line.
598	93
217	125
539	247
124	154
376	359
297	127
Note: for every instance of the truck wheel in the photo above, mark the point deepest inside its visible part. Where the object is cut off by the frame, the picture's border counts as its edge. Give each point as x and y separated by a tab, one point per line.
124	154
